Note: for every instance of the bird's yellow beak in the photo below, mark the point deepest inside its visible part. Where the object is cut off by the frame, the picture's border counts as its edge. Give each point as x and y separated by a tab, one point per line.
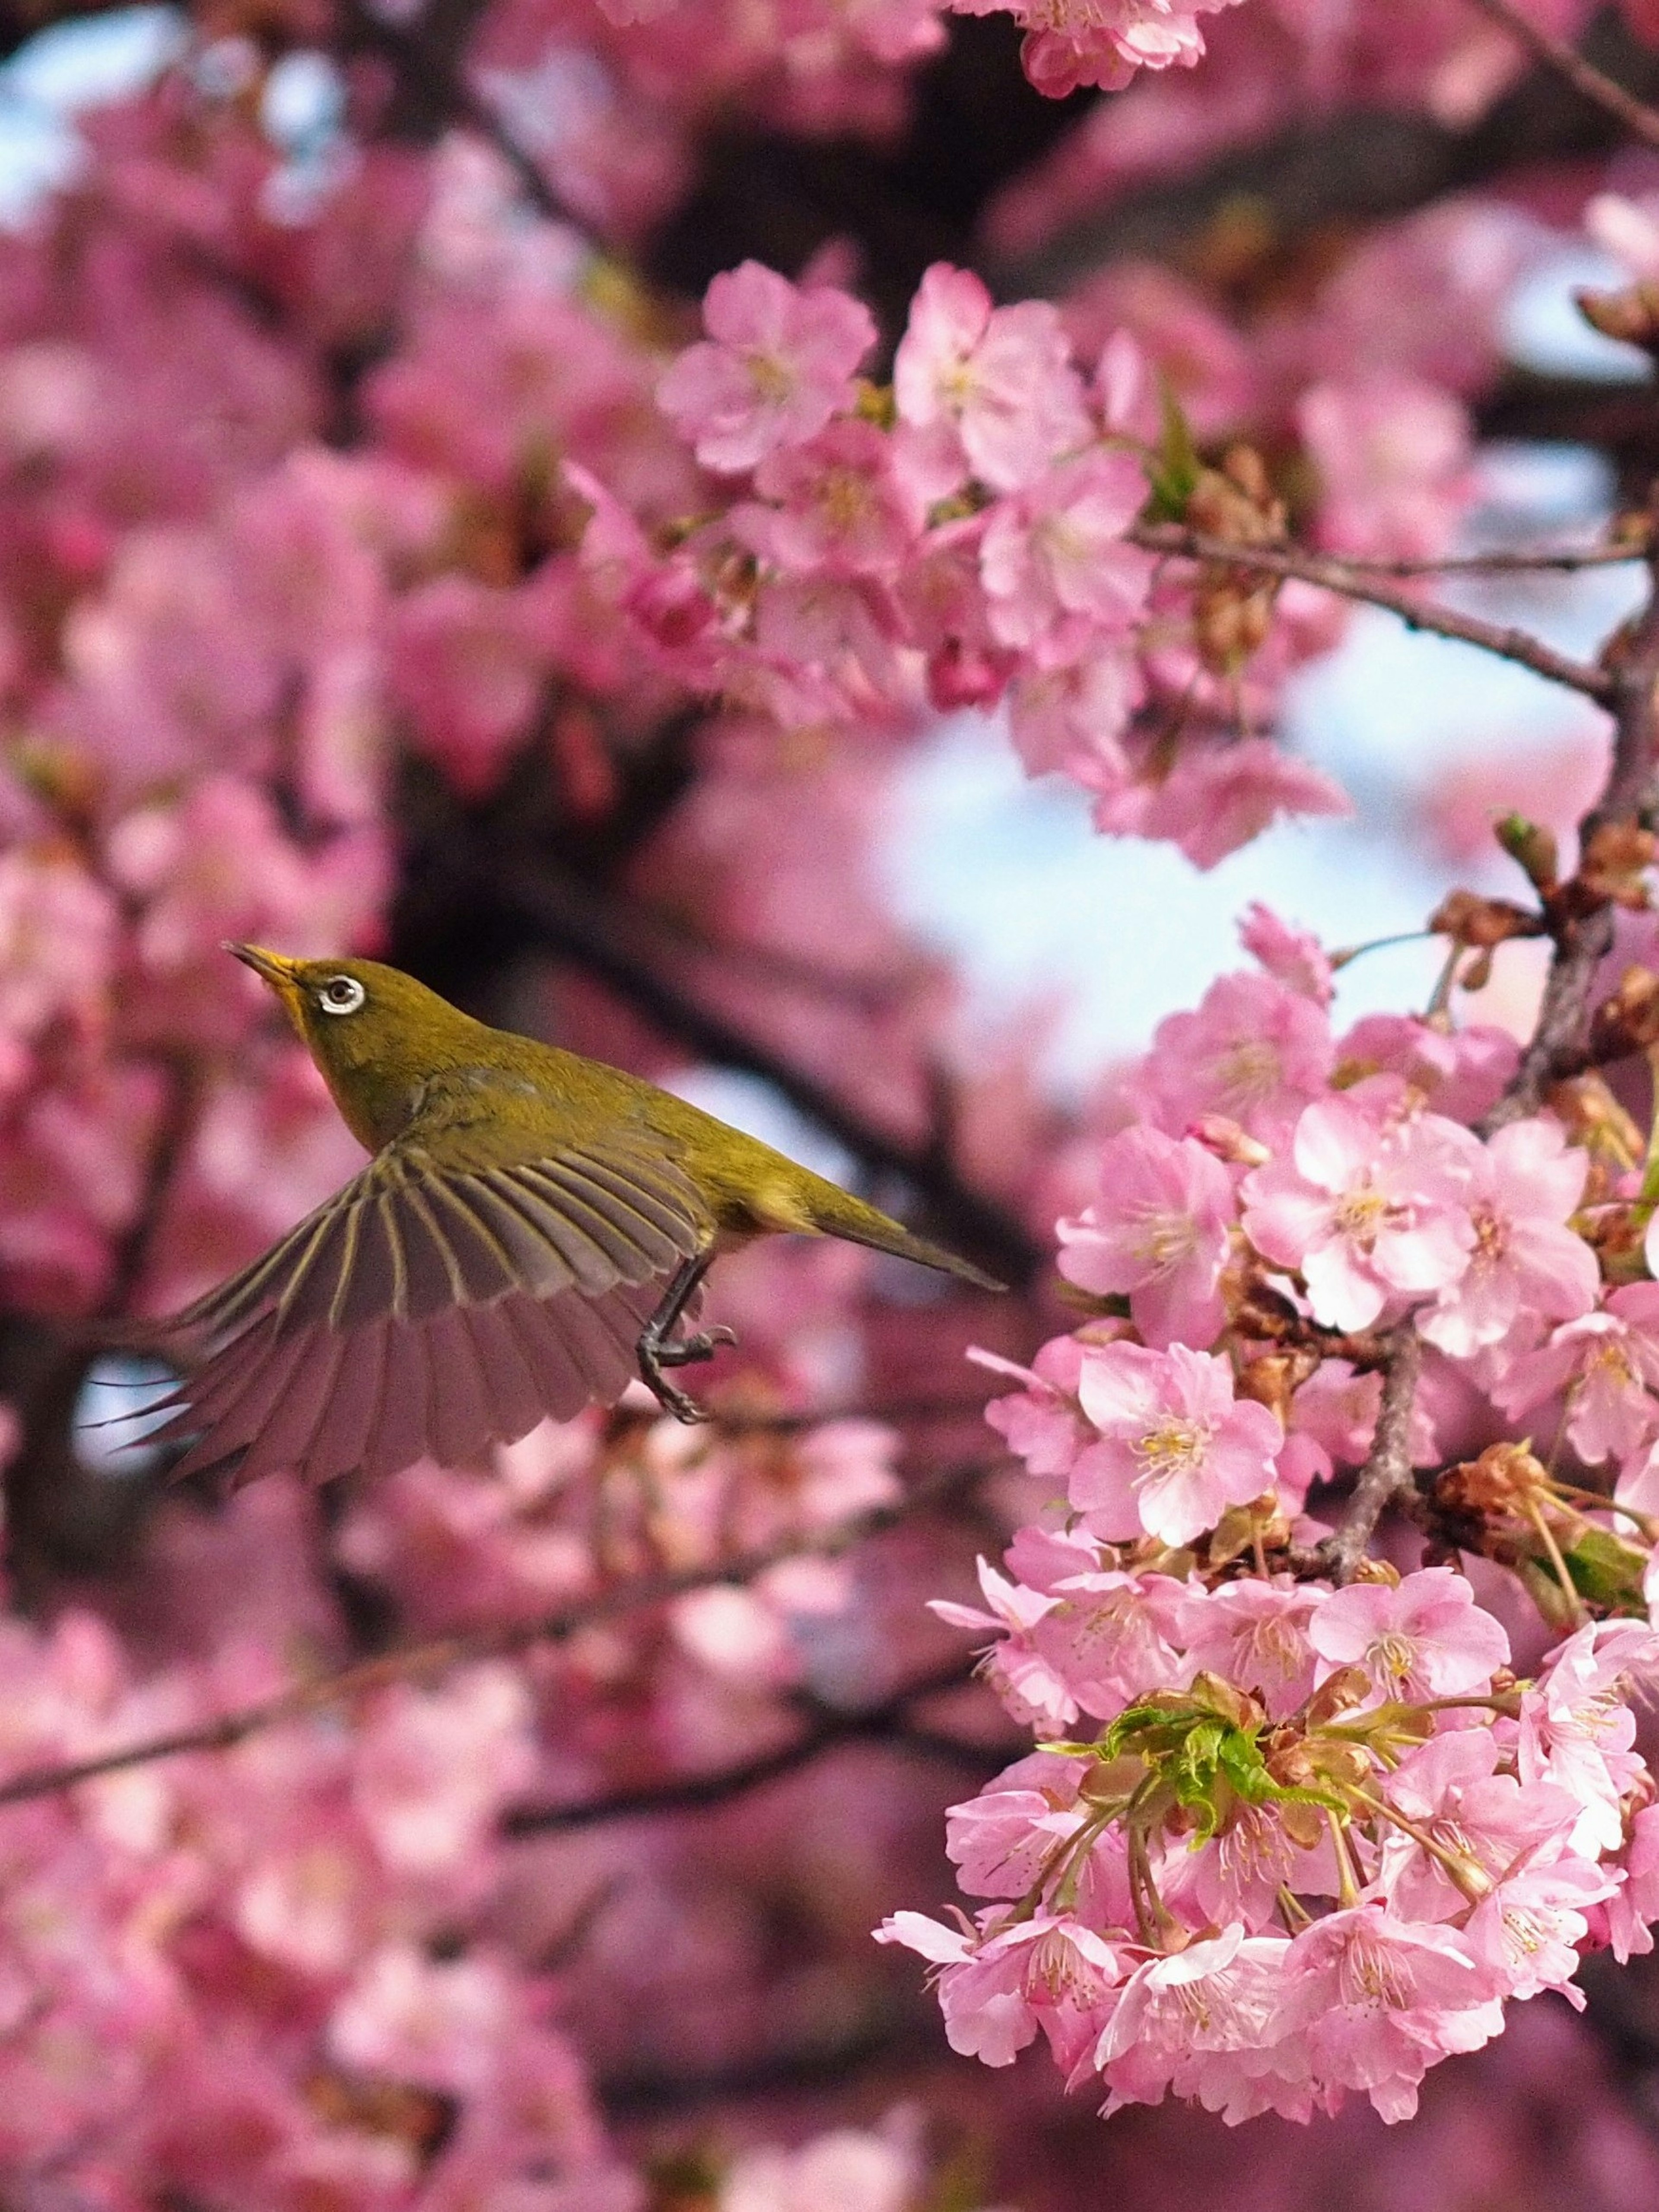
273	968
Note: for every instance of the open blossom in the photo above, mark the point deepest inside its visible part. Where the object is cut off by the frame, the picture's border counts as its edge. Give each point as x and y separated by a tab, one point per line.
1253	1050
1069	45
1523	1183
845	503
1607	1362
1027	1684
1175	1449
1452	1792
1057	573
1296	957
1255	1634
778	362
1425	1637
1000	378
1216	799
1108	1636
997	1990
1369	1217
1158	1231
1042	1422
1379	1998
1199	2023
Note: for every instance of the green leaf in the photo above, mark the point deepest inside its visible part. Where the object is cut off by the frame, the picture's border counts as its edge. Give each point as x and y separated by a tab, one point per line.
1176	466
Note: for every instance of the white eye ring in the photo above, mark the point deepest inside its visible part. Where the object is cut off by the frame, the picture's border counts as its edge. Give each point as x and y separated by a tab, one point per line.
341	995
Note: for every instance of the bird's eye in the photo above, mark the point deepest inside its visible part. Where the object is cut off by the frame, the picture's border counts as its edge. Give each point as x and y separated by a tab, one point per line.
341	995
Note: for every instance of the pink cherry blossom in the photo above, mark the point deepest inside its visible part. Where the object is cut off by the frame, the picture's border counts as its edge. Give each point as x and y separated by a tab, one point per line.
1216	799
1523	1184
1175	1449
1031	1688
1253	1051
1370	1217
1159	1231
778	362
1042	1422
1380	1998
996	1990
1109	1637
1203	2023
1255	1634
1607	1362
1057	573
998	1841
1001	378
841	503
1294	956
1426	1637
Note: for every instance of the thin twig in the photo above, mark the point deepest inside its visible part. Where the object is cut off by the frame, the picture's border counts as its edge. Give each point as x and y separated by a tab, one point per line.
884	1722
1351	582
1563	560
419	1662
1593	84
1388	1472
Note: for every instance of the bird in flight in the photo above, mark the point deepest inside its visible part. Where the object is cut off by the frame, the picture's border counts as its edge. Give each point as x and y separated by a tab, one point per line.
530	1233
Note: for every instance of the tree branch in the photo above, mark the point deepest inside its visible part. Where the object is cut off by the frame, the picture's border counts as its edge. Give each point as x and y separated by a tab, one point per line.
1387	1471
1584	939
1563	560
1351	582
419	1662
883	1722
1592	84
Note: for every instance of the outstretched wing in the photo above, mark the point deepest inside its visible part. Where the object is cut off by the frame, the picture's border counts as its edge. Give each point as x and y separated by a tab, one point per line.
430	1311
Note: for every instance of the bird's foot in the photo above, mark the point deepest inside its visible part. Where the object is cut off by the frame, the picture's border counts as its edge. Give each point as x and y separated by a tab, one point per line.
654	1356
690	1349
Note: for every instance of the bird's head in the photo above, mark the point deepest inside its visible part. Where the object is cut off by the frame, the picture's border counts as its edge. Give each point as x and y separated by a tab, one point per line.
375	1034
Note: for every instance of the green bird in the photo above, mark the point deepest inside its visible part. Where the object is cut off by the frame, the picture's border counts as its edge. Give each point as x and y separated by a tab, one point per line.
532	1232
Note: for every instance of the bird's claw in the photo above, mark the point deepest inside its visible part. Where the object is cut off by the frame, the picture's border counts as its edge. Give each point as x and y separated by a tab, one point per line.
690	1349
677	1403
653	1358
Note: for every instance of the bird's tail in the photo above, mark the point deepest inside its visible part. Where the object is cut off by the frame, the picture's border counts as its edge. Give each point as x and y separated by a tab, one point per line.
839	1214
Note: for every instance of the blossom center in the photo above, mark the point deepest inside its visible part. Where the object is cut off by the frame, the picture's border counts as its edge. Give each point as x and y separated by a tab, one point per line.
1361	1215
844	499
1394	1655
1492	1235
1177	1446
1165	1240
773	381
1249	1071
1059	1971
1372	1975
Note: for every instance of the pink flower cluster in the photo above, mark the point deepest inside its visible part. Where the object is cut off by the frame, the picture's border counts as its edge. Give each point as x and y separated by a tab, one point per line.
228	1975
959	543
1319	1841
1320	1835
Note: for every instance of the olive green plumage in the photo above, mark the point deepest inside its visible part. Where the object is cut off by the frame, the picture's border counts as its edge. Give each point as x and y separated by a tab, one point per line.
529	1230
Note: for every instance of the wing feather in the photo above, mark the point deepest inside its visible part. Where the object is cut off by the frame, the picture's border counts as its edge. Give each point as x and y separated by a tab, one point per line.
423	1311
459	1420
516	1396
285	1440
399	1437
353	1412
